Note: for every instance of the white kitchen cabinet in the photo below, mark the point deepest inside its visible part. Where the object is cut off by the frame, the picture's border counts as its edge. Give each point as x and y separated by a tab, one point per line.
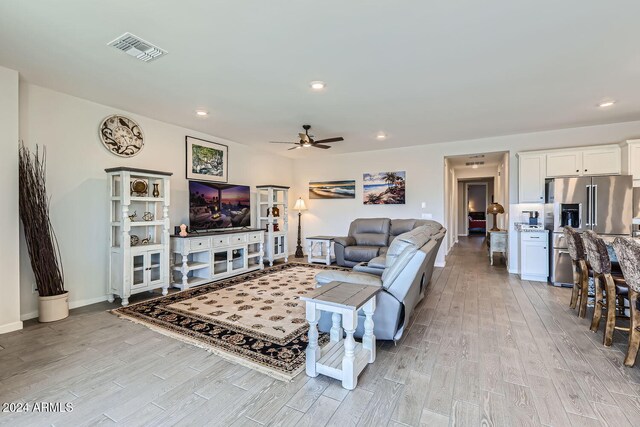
532	172
564	163
602	161
534	255
631	161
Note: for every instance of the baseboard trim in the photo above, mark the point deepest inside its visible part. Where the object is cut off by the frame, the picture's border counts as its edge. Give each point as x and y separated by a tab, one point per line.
72	305
10	327
440	264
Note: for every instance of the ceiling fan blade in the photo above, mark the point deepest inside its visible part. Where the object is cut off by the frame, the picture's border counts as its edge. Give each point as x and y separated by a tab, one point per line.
281	142
339	138
321	146
294	148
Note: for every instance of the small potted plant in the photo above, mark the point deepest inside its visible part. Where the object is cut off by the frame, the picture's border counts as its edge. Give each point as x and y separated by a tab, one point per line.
42	245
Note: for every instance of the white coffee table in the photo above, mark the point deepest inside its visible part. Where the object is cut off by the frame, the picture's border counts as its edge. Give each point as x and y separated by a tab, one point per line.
342	359
324	244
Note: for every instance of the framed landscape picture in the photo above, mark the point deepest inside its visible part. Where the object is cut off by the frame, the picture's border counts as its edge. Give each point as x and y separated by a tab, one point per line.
384	188
206	160
332	189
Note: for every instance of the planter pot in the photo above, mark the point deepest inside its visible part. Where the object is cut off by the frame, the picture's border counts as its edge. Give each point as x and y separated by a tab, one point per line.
53	308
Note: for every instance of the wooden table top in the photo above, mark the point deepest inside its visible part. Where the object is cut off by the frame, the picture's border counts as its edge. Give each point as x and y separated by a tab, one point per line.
342	295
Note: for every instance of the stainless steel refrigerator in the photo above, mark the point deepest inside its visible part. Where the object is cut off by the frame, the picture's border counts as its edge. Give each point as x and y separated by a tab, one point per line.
603	204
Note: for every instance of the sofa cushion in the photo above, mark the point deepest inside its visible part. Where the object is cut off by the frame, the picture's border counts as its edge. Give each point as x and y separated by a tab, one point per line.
370	231
403	248
360	253
401	226
371	239
378	262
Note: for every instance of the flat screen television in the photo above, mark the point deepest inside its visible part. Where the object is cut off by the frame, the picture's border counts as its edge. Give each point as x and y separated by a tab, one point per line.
214	206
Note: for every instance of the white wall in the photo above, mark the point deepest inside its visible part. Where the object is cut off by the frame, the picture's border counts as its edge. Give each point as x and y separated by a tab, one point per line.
76	181
9	262
425	173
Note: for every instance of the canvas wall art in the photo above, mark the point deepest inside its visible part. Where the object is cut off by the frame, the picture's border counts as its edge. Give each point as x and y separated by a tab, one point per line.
332	190
384	188
206	160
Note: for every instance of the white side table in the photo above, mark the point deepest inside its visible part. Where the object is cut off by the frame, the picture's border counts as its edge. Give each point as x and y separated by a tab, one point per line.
498	242
324	244
342	359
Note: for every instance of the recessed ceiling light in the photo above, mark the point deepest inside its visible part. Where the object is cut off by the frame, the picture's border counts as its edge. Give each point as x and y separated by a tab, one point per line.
605	104
202	113
381	135
317	85
474	167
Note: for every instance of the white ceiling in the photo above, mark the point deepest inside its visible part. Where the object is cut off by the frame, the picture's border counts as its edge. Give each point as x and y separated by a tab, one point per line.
422	71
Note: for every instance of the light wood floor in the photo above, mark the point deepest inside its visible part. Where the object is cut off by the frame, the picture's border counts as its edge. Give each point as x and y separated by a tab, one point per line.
484	348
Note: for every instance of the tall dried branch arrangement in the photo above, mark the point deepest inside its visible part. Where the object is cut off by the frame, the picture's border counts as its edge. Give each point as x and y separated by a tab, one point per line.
34	212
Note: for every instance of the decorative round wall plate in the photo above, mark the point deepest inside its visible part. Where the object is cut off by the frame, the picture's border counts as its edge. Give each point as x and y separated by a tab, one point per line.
121	135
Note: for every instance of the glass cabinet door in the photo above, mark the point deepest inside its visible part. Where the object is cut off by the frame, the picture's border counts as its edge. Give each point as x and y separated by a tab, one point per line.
154	262
221	262
138	273
238	257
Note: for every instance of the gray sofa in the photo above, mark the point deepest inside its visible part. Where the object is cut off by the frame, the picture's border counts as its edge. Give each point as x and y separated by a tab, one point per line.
369	238
408	267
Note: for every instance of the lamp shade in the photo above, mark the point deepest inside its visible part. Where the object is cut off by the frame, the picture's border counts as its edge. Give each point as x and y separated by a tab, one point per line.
300	206
495	208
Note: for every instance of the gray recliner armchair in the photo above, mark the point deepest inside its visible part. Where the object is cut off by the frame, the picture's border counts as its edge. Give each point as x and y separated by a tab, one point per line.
368	238
408	267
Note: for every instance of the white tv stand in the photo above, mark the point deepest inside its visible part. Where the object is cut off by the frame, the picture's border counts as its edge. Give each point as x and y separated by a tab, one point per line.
205	257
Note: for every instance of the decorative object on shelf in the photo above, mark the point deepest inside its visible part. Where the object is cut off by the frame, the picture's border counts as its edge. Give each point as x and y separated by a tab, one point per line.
42	244
156	190
275	212
332	189
299	206
146	240
384	188
276	227
495	209
133	216
183	230
134	240
121	136
139	187
206	160
148	216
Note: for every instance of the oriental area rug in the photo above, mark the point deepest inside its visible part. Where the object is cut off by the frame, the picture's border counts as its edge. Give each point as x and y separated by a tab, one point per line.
255	319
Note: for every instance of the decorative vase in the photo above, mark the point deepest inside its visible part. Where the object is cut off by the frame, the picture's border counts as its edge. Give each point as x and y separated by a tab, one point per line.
52	308
156	191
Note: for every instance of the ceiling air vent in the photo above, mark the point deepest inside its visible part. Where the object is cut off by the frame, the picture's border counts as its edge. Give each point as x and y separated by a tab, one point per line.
474	163
136	47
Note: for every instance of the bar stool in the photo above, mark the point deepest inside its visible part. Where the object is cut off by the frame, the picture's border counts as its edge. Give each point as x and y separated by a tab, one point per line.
628	253
606	285
579	296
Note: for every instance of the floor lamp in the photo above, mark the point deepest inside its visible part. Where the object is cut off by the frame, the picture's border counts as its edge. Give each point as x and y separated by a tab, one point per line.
299	206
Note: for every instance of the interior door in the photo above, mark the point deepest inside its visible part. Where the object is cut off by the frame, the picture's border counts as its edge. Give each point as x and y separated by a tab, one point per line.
612	201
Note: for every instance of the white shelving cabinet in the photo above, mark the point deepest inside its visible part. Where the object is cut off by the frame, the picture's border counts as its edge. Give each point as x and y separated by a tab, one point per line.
207	257
276	241
143	266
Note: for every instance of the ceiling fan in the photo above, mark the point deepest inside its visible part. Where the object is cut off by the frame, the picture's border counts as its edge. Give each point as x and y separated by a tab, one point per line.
307	140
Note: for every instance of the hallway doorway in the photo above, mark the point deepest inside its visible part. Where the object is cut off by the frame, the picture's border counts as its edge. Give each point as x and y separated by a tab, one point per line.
473	182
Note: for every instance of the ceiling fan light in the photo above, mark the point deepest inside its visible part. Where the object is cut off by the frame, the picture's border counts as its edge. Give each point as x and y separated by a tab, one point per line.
306	145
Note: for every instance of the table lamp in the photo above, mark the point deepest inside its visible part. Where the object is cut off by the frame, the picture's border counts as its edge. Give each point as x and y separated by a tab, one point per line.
495	209
299	206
